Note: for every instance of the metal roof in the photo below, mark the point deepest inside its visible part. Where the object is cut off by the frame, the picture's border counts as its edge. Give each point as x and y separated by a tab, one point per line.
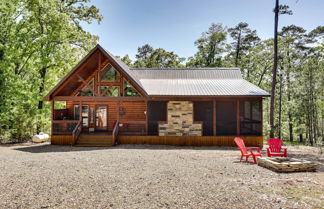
181	81
187	73
196	82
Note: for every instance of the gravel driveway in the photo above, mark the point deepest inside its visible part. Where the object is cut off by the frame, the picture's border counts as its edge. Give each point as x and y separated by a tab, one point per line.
143	176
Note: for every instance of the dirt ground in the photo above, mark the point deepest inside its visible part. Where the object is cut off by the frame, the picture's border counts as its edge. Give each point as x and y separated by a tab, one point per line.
144	176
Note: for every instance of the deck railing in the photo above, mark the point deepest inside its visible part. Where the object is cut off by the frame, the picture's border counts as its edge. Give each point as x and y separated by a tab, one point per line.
115	132
76	132
63	127
132	128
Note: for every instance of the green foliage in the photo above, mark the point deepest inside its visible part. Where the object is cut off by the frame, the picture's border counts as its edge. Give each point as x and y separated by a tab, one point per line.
40	41
156	58
211	47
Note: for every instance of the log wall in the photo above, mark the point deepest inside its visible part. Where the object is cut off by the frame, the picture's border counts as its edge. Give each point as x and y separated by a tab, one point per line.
134	111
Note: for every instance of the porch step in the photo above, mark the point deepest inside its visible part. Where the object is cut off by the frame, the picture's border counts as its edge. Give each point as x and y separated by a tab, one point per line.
94	140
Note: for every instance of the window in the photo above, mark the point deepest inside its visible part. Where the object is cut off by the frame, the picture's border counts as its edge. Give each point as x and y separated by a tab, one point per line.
76	111
84	114
113	91
86	91
109	74
129	90
250	118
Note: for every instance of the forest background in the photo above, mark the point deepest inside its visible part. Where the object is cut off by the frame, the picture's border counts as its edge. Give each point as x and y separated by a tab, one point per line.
42	40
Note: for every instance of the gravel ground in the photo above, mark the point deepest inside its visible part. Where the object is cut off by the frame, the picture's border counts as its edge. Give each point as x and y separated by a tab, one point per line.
143	176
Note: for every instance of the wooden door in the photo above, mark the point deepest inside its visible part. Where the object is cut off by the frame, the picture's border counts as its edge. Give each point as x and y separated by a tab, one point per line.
101	117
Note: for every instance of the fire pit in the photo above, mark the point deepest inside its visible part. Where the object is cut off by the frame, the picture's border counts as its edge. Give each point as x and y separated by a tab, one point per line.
285	164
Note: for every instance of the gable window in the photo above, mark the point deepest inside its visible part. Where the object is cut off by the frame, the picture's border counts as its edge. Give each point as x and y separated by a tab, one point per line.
110	91
250	118
129	90
86	91
109	74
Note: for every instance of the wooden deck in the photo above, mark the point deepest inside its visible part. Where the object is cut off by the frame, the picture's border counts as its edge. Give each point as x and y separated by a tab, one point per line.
190	140
104	139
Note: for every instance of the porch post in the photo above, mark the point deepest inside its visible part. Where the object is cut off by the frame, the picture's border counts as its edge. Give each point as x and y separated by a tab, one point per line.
238	118
118	108
80	110
214	117
99	70
53	115
146	118
261	101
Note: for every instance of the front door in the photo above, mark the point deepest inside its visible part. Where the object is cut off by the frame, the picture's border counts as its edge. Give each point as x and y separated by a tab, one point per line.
101	117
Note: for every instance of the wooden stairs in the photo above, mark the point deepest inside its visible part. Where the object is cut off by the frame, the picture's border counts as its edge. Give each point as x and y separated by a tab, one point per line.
94	140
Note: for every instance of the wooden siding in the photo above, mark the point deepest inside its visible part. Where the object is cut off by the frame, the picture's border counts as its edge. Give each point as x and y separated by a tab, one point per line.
134	111
190	140
61	139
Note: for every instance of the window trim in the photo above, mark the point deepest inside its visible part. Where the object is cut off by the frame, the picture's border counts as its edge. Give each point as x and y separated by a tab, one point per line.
124	92
93	87
109	66
99	89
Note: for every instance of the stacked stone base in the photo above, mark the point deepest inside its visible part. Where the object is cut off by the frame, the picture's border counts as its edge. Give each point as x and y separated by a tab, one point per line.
284	164
180	120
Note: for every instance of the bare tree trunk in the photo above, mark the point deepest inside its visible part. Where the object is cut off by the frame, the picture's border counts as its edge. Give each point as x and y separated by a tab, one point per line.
274	71
290	122
238	49
280	106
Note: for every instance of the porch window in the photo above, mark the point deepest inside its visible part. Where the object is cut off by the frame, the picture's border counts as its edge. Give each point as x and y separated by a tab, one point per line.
129	90
86	91
250	118
109	74
110	91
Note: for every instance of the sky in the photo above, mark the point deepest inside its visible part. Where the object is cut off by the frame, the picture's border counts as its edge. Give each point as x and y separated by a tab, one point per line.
175	24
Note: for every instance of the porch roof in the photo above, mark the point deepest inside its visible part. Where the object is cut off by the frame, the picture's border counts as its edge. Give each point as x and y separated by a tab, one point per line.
196	82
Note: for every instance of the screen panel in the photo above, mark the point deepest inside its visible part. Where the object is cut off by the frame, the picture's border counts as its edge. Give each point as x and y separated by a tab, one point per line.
226	118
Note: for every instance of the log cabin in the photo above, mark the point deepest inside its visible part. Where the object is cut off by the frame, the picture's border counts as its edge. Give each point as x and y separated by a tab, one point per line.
105	102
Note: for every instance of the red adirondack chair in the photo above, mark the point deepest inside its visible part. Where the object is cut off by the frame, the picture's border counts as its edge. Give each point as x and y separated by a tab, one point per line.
275	148
247	151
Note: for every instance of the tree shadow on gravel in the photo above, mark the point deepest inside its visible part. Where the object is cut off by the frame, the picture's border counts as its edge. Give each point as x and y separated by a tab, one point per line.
46	148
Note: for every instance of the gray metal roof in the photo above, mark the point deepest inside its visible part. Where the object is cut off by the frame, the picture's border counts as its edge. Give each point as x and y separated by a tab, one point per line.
191	81
187	73
181	81
196	82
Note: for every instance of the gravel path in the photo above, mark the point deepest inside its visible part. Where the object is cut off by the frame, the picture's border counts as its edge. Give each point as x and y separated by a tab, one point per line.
143	176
